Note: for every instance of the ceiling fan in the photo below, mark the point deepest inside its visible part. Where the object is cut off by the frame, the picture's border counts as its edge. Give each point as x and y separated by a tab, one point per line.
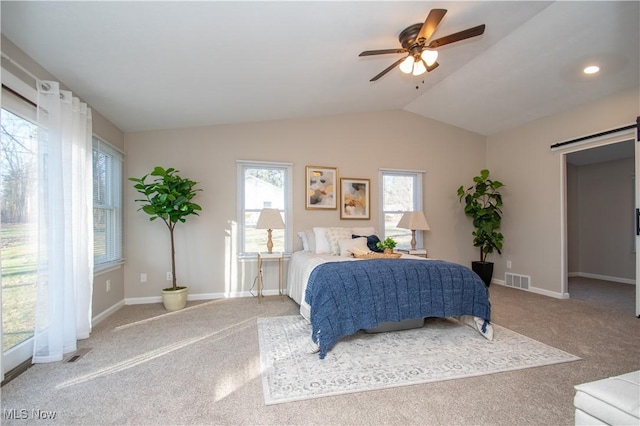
422	56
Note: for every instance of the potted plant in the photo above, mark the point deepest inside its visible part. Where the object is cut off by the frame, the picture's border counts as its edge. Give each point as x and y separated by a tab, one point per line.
387	245
168	197
482	203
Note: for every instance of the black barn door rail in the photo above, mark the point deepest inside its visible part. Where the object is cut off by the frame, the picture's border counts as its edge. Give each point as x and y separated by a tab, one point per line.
606	132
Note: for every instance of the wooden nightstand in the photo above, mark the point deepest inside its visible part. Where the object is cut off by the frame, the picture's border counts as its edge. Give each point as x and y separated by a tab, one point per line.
270	256
416	252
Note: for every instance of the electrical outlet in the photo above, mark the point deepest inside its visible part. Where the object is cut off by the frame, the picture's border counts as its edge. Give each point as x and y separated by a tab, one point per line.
108	285
169	276
508	264
143	278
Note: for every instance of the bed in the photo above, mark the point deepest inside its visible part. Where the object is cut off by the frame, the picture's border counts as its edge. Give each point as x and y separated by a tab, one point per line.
340	295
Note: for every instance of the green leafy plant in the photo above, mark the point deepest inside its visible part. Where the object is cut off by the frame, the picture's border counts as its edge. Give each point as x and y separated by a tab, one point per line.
168	197
482	203
388	243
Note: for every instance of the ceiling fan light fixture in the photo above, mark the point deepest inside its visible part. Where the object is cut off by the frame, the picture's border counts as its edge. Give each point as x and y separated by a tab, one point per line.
406	66
429	56
416	41
419	68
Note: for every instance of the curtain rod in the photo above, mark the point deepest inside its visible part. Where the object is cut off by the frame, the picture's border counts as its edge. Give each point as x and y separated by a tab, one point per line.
24	98
597	135
27	72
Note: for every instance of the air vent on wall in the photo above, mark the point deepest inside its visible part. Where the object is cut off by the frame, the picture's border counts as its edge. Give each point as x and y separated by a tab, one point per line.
518	281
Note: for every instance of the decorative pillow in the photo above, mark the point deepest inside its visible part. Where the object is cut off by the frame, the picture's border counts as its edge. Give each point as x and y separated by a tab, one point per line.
335	235
363	231
305	241
311	239
352	246
322	240
372	241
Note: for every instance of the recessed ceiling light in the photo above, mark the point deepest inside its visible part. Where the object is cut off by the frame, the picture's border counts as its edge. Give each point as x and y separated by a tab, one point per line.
591	69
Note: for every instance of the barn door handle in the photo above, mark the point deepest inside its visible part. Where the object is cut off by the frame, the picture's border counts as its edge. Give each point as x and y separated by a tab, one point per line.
637	221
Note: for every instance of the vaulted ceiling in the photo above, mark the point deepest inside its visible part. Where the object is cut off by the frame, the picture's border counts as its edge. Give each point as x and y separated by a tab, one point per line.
155	65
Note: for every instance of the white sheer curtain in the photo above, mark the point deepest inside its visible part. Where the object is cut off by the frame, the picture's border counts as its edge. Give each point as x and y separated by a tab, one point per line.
65	269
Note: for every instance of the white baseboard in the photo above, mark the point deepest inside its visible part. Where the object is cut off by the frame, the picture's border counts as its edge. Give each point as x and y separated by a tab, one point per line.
106	313
199	296
602	277
548	293
536	290
142	300
495	281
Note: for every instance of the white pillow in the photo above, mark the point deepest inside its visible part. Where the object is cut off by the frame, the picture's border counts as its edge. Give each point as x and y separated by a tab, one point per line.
363	231
335	235
322	240
348	246
311	238
305	241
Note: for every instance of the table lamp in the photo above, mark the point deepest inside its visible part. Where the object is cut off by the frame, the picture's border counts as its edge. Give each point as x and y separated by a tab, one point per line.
416	222
270	219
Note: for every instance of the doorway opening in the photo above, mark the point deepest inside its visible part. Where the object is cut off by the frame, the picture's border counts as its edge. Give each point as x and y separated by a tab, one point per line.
600	240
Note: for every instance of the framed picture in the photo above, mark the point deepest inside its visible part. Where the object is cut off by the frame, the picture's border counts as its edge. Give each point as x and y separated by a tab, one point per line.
321	191
354	198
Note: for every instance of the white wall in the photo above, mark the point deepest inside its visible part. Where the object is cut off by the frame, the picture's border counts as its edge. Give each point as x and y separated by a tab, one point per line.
522	159
573	219
605	220
357	144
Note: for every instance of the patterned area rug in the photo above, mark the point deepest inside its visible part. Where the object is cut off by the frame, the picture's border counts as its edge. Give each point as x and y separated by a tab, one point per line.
443	349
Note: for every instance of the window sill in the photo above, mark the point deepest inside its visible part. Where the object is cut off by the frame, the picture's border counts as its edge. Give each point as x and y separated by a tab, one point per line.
104	268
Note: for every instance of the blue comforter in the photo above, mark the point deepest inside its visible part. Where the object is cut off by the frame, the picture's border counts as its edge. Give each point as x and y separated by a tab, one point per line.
349	296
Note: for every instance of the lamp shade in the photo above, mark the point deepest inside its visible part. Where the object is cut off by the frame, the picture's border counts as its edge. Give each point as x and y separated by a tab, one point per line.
270	219
414	221
406	66
419	68
429	56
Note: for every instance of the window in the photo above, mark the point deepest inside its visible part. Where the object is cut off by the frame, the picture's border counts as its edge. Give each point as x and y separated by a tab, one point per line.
263	185
19	217
401	191
18	234
107	201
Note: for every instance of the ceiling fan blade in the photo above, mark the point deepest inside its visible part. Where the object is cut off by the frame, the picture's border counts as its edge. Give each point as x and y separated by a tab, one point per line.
432	67
389	68
430	25
462	35
382	52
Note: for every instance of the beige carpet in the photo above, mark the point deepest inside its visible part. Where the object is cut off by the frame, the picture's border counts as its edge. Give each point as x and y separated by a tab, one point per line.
443	349
202	366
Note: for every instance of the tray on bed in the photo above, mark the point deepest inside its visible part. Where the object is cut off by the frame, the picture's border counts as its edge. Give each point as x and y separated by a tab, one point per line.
378	256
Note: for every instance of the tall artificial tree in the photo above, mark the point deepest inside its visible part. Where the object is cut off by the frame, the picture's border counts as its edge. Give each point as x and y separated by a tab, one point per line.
168	197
